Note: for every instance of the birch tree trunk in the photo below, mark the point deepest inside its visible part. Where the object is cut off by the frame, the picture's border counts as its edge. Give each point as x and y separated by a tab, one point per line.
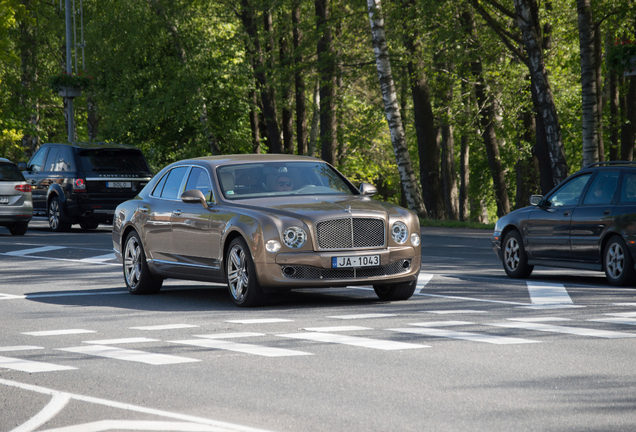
392	111
299	82
315	122
527	15
328	84
588	82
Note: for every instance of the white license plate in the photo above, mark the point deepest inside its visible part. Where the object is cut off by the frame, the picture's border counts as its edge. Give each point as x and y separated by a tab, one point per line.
4	200
120	185
356	261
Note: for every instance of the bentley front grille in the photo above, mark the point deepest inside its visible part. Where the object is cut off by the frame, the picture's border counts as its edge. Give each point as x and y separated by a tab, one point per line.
350	233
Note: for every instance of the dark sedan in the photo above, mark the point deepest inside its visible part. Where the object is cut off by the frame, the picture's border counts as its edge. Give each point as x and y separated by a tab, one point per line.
264	223
586	222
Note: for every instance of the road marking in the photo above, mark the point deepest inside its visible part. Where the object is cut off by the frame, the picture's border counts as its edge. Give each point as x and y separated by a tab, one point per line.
473	299
468	336
230	335
623	314
242	348
442	312
71	294
336	328
59	332
442	323
138	425
57	404
422	280
20	348
23	252
362	316
353	341
133	408
30	366
564	329
542	293
626	321
121	341
99	259
165	327
129	355
540	319
551	306
259	321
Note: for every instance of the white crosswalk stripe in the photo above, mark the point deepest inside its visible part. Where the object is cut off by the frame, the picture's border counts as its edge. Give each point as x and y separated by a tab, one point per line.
30	251
30	366
386	345
468	336
129	355
578	331
244	348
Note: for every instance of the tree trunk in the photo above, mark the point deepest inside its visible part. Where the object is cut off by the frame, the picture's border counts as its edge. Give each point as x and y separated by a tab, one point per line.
451	199
269	103
254	122
630	125
528	21
588	82
464	166
315	122
299	82
92	118
627	150
391	108
526	167
598	63
288	117
28	45
327	73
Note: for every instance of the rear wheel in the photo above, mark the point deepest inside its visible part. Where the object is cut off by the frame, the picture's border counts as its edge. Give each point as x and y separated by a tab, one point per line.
55	216
514	258
19	228
137	275
241	276
394	292
618	262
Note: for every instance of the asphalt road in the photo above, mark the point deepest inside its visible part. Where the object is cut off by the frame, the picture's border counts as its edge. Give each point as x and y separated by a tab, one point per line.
471	351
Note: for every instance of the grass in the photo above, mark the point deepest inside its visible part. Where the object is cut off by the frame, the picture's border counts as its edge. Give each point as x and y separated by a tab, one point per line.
455	224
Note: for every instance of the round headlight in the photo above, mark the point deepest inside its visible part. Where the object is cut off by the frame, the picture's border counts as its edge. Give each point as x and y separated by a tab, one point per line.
294	237
399	232
415	239
272	246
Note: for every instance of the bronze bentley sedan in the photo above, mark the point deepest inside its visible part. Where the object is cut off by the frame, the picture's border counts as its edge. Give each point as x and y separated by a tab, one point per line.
265	223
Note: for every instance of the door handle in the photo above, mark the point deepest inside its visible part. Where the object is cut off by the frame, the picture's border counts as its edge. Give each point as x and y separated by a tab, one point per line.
144	209
606	212
566	213
177	212
550	210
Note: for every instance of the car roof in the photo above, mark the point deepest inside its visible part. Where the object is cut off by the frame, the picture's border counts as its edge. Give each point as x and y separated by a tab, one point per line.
94	145
254	158
5	160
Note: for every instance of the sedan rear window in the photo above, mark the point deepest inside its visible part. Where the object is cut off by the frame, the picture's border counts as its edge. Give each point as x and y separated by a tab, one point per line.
258	180
10	172
109	160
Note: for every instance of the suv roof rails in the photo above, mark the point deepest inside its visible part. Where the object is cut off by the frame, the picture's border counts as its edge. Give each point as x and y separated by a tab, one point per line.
611	163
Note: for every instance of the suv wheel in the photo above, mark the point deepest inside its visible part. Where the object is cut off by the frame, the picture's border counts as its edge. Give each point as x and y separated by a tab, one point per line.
55	216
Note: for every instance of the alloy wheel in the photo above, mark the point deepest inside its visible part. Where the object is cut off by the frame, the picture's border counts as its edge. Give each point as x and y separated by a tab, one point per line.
511	254
238	277
615	260
132	262
54	214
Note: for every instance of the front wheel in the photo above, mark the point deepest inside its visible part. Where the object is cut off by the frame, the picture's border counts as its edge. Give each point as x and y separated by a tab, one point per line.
394	292
618	262
19	229
241	276
137	275
514	258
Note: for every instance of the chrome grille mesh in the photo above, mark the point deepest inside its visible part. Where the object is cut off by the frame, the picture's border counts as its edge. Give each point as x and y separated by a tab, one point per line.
350	233
307	272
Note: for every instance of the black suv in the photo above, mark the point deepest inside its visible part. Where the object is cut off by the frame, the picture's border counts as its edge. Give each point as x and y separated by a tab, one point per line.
586	222
82	183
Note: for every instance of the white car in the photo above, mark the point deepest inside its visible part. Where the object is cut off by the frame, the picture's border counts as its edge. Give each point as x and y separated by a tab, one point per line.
16	205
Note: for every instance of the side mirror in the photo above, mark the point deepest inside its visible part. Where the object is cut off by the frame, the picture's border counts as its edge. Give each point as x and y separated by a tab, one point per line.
535	200
194	196
368	189
22	166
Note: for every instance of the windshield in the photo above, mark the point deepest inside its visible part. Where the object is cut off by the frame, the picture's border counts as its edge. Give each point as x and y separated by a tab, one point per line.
109	160
257	180
10	172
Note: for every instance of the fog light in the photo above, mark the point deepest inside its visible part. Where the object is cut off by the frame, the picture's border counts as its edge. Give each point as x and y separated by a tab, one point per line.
415	239
272	246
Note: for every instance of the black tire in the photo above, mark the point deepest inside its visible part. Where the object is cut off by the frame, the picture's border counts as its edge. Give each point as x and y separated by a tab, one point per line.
514	258
618	262
55	216
137	275
241	276
88	224
395	292
18	229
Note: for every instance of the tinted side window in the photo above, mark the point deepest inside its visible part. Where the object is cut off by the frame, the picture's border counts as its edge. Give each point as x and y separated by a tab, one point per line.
10	172
569	193
200	180
628	188
38	160
49	165
65	160
603	188
175	178
159	187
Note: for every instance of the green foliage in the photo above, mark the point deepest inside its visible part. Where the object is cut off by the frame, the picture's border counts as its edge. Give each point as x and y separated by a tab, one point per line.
80	81
621	55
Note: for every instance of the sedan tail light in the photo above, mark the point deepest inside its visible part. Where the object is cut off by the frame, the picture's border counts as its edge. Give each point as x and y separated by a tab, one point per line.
79	185
23	187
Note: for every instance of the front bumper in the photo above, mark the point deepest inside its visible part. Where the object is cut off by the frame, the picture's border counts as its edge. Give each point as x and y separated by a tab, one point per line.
314	269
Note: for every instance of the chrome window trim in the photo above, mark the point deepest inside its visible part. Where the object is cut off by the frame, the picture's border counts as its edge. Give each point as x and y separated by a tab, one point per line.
187	176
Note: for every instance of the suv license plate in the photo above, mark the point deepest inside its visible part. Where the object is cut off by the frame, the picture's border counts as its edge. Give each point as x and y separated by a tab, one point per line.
4	200
119	185
355	261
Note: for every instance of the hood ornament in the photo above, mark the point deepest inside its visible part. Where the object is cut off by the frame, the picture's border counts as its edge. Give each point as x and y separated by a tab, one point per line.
348	209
